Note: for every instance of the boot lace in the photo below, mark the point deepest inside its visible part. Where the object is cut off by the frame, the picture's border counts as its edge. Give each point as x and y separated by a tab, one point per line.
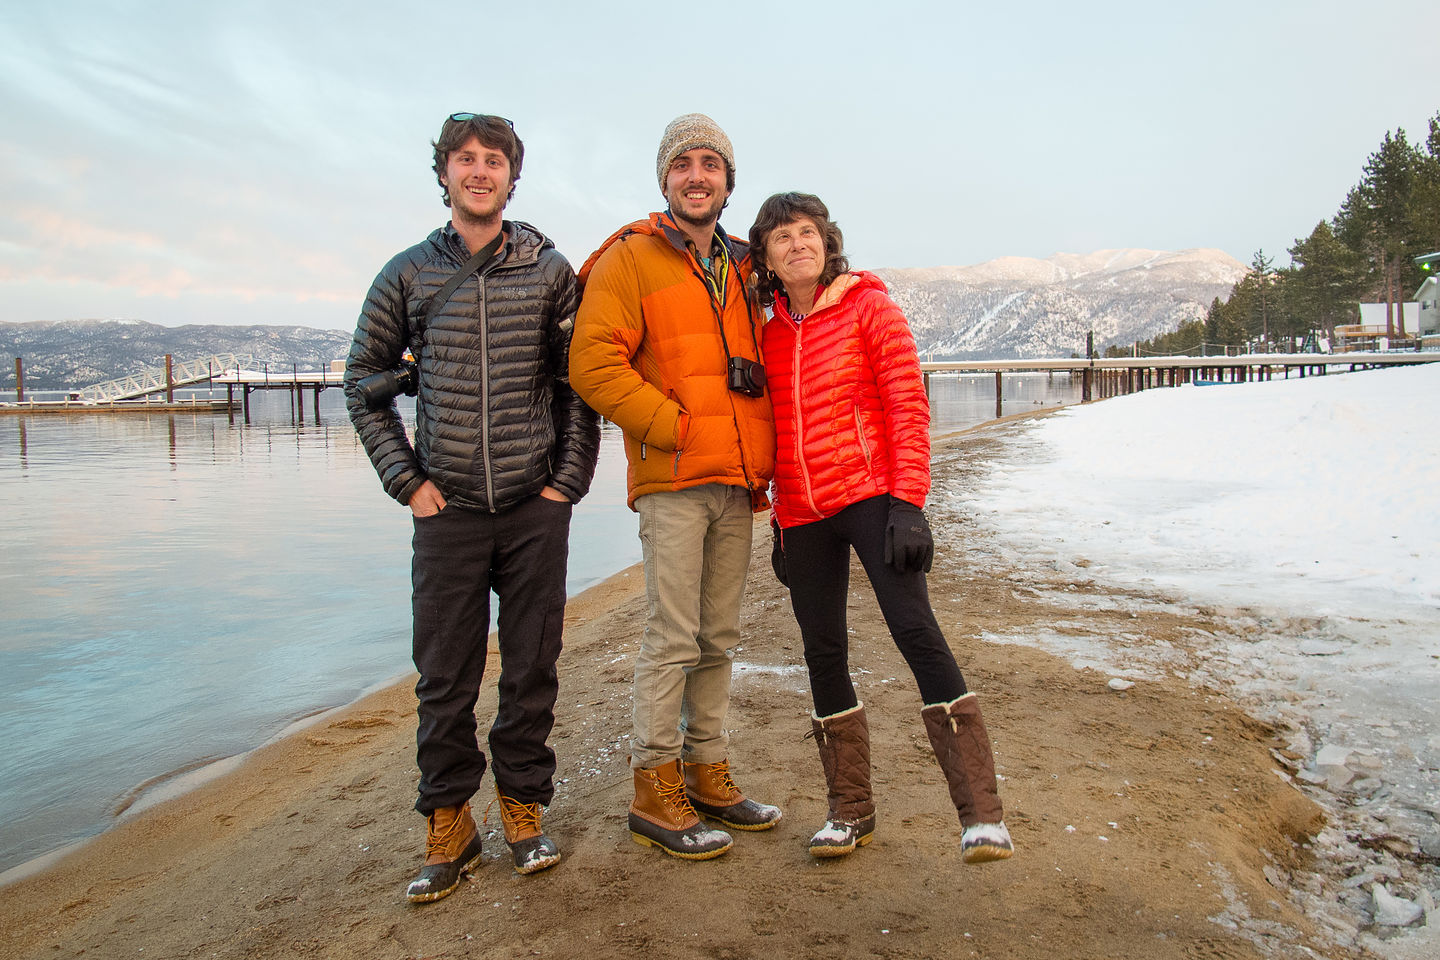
723	780
445	842
519	816
673	796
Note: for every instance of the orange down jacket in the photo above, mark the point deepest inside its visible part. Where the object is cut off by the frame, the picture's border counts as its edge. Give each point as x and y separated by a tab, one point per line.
648	355
851	417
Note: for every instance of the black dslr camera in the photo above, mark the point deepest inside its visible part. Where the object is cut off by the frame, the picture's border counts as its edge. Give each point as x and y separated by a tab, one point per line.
746	377
378	389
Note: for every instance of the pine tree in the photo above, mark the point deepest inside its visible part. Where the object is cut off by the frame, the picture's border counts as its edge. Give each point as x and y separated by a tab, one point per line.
1214	322
1260	269
1424	213
1329	282
1234	329
1289	318
1376	219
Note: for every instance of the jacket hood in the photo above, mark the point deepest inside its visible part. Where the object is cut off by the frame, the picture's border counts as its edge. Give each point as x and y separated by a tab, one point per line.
523	243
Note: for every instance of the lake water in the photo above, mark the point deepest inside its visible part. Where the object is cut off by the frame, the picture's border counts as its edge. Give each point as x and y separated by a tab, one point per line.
178	588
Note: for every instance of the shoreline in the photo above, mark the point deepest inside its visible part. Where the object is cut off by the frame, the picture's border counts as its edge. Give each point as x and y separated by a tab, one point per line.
174	784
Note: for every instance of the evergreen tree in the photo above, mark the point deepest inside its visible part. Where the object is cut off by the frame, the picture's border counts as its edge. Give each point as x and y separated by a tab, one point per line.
1377	220
1239	310
1214	322
1424	222
1260	268
1330	280
1290	316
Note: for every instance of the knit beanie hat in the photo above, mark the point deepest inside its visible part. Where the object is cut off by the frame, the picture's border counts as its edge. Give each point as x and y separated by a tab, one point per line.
687	133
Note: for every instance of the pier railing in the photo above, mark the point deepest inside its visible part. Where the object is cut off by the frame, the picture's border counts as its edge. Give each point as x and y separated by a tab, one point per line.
159	379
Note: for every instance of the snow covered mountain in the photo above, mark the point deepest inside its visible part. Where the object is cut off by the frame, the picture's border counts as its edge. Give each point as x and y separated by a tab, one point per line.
69	354
1013	307
1017	307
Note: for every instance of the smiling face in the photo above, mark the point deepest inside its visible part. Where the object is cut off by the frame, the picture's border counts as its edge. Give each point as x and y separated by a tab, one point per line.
795	251
478	180
695	186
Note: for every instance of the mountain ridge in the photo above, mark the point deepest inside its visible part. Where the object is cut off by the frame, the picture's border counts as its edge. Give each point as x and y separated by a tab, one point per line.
1007	308
70	354
1024	307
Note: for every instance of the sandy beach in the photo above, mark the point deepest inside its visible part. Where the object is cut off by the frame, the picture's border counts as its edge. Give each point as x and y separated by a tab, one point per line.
1149	822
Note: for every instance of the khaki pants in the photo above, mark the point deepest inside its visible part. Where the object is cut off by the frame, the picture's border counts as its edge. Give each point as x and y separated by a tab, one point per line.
696	547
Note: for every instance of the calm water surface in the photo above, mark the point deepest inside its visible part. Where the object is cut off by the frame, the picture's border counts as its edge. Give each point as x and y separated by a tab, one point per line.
178	588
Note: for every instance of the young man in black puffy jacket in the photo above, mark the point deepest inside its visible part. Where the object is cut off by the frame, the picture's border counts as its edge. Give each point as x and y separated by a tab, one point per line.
502	450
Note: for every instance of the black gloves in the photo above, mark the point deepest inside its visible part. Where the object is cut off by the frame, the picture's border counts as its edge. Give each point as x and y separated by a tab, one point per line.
909	548
777	556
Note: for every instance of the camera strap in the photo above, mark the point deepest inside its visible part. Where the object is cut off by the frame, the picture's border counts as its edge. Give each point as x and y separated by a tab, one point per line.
470	266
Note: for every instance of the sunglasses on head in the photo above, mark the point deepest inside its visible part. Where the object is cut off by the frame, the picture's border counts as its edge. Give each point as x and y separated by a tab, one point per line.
462	117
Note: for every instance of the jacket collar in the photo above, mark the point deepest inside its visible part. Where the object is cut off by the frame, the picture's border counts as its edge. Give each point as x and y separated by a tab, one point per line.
838	290
664	224
523	244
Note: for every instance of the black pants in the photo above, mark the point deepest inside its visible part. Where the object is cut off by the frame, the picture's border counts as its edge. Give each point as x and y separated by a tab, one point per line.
460	555
817	562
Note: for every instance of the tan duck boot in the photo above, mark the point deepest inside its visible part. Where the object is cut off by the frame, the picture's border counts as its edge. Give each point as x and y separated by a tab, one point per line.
713	794
844	742
962	747
452	848
661	816
531	849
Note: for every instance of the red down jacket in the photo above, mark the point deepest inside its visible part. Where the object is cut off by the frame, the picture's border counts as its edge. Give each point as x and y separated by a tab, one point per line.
851	417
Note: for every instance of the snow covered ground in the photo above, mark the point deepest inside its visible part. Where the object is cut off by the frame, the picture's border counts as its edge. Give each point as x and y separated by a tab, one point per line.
1307	511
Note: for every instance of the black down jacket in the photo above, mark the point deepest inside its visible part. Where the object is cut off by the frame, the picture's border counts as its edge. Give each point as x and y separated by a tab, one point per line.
495	418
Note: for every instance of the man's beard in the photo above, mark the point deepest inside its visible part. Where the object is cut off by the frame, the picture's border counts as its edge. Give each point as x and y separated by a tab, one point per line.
708	219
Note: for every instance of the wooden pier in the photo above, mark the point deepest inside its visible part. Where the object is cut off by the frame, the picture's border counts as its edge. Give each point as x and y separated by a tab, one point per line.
1103	377
296	381
1100	378
153	390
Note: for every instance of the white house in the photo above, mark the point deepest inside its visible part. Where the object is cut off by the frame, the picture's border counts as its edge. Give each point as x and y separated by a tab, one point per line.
1428	314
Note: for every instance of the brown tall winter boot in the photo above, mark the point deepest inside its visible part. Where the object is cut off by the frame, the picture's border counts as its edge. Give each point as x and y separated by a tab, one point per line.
531	850
712	792
661	816
844	742
452	847
962	747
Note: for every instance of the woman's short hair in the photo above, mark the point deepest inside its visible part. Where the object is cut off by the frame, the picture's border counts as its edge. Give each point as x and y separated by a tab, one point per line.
493	132
783	208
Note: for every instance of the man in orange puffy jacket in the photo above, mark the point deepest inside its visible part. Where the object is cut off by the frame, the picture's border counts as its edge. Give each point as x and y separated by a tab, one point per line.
666	345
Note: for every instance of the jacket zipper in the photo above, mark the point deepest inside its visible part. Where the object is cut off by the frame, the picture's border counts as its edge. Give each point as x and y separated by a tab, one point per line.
485	395
864	441
799	425
675	460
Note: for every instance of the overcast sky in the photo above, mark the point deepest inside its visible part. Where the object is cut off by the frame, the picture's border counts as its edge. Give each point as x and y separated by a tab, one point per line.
260	161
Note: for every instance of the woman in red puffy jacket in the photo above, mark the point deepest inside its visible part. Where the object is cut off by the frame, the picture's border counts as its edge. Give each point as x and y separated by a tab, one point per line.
852	471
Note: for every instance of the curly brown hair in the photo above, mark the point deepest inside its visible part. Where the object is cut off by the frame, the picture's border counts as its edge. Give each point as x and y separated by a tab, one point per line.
783	208
497	133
